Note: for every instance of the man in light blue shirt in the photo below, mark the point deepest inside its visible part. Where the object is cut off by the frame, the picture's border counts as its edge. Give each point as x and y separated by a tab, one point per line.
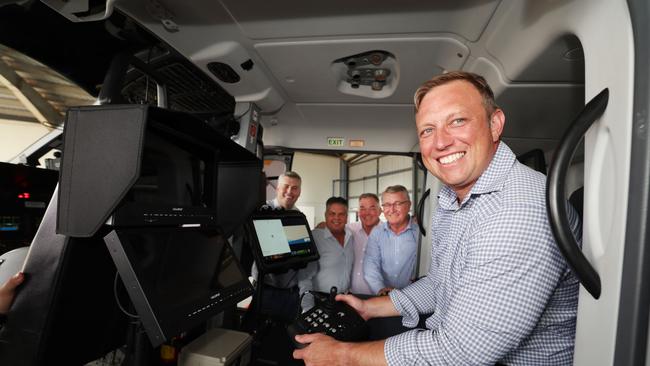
336	248
391	252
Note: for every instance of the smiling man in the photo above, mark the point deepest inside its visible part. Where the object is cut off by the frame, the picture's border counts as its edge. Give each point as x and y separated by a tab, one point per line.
287	191
336	248
390	257
498	287
280	294
369	211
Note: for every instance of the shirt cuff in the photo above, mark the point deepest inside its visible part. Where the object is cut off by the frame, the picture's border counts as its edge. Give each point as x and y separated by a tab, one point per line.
402	349
410	315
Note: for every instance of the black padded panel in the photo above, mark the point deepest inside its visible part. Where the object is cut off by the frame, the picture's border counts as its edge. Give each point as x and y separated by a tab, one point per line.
237	193
577	200
100	163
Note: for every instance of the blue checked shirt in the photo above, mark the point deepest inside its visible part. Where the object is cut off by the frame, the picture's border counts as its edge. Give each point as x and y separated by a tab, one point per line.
390	258
498	287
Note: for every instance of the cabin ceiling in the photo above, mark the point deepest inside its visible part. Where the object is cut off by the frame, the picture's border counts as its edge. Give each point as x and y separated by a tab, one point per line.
295	79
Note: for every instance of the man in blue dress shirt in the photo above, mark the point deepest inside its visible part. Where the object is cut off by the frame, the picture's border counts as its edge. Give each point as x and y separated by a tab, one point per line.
499	289
392	248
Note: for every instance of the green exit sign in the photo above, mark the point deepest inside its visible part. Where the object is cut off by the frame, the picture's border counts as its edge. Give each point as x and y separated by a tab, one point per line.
335	141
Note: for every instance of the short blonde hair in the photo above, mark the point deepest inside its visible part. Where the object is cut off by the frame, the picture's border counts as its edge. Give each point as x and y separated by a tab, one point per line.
479	82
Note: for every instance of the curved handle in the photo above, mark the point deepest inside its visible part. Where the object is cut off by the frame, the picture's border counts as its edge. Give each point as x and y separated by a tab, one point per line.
556	193
419	211
419	162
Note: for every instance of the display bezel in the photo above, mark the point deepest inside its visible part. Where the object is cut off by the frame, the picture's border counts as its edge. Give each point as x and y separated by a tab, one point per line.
277	263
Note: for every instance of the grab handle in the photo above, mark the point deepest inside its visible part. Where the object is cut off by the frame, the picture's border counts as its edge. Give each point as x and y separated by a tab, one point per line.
556	193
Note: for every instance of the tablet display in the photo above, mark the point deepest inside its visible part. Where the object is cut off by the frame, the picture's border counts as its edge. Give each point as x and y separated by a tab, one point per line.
282	239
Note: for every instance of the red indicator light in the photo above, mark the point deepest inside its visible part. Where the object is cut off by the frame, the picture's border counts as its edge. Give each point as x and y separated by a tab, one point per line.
24	195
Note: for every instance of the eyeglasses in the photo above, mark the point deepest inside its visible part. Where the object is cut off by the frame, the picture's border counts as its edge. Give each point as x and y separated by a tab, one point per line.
396	204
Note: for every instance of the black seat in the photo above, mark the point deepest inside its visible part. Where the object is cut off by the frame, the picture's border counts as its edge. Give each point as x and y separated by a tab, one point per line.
577	199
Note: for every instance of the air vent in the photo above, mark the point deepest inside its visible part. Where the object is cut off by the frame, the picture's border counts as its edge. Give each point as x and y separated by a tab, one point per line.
371	74
223	72
187	90
367	69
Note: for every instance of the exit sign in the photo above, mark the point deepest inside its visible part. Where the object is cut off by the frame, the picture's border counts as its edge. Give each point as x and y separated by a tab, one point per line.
335	141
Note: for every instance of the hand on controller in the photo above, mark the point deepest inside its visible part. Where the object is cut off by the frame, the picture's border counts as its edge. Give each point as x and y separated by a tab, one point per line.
331	317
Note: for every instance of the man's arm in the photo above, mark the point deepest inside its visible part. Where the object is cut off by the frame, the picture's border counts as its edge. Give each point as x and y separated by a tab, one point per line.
375	307
372	264
306	283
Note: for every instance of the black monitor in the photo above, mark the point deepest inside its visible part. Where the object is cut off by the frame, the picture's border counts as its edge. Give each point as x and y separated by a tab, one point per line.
281	240
137	165
177	279
176	181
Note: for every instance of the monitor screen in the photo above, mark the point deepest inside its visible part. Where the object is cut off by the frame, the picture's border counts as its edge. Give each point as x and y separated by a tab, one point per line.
176	184
171	175
177	278
282	239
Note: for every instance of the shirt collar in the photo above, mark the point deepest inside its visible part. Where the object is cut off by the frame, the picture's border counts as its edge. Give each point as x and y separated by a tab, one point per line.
411	226
276	204
348	234
491	180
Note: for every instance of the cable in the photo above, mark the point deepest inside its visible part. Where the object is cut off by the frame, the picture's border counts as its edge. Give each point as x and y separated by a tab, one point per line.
237	118
117	299
300	301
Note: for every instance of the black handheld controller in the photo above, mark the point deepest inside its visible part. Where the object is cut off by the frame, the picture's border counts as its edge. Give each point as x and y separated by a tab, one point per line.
333	318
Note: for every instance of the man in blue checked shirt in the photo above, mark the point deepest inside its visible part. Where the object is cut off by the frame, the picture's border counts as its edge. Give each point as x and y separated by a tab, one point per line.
498	287
392	248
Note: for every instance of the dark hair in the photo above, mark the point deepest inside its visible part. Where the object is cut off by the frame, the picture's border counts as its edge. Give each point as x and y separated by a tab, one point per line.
477	80
369	195
333	200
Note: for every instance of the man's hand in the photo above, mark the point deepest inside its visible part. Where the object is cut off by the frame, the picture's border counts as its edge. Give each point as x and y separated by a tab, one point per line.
357	304
384	291
325	350
8	290
322	350
375	307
